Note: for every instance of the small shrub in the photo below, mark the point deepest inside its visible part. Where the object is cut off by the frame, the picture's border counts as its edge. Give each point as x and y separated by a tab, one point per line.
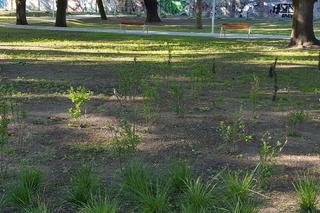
294	119
308	190
253	95
234	133
79	96
179	174
126	140
197	196
268	152
150	99
84	184
99	205
177	93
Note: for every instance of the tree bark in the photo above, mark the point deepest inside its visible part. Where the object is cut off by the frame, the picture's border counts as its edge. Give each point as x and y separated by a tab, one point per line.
101	10
61	17
199	14
21	12
302	24
152	11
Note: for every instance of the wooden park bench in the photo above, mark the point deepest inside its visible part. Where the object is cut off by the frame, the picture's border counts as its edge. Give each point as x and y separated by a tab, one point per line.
225	26
134	23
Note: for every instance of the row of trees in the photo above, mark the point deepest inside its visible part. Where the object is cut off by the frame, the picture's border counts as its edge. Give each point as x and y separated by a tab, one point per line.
302	23
62	5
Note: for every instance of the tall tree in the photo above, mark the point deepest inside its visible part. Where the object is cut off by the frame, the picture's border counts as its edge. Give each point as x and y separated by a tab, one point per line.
61	17
152	11
302	24
21	12
199	14
101	10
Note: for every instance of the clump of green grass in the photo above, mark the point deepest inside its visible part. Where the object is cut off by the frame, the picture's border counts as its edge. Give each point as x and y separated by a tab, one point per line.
20	196
237	193
40	208
180	173
152	196
84	184
28	185
197	196
2	201
308	190
240	187
32	179
99	205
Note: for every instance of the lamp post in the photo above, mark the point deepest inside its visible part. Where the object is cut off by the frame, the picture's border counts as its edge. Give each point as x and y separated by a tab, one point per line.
213	15
53	3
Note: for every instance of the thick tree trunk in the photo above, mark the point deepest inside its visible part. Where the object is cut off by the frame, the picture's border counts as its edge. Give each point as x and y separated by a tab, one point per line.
199	14
101	10
152	11
61	18
302	24
21	12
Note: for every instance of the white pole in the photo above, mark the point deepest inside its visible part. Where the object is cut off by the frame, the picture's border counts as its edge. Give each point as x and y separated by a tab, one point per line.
213	15
53	2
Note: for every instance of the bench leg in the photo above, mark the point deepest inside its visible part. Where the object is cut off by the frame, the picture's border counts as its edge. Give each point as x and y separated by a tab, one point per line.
221	30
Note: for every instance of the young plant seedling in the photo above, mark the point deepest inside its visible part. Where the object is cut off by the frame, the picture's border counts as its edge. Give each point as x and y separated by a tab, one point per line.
79	97
273	74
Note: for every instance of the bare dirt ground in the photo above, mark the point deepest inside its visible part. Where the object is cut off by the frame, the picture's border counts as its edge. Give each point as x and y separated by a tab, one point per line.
50	144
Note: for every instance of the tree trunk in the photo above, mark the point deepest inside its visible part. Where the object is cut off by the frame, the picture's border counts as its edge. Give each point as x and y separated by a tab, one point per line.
101	10
152	11
21	12
61	18
302	24
199	14
129	7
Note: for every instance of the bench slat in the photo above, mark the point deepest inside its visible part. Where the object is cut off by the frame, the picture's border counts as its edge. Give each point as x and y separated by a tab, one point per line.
132	23
242	26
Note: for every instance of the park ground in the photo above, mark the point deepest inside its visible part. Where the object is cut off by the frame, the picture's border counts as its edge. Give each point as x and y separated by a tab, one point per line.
41	66
170	23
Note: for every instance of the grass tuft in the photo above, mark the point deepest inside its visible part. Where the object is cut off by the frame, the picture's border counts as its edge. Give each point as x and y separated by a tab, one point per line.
40	208
98	205
197	197
29	183
84	184
308	190
151	196
180	173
